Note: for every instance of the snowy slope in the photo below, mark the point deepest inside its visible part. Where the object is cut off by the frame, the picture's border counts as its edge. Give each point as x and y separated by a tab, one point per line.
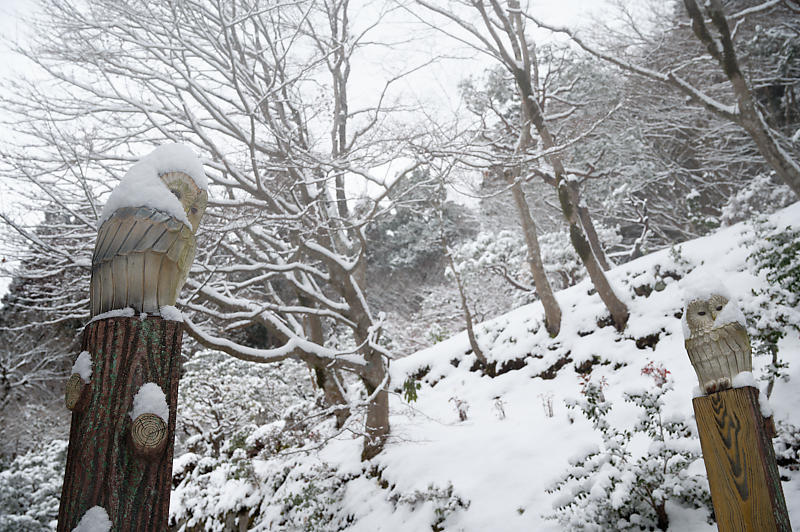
489	471
501	461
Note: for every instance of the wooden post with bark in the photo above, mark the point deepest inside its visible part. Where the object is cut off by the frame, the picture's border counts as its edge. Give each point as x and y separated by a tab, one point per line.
740	462
115	462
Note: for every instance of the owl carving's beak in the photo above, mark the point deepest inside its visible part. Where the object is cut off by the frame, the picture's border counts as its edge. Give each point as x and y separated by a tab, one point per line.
713	313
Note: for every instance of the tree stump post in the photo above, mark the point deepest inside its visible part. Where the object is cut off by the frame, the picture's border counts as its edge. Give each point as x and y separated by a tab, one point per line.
740	462
127	473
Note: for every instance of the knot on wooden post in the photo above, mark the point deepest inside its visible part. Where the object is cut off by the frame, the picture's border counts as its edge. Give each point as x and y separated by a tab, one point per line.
148	435
75	396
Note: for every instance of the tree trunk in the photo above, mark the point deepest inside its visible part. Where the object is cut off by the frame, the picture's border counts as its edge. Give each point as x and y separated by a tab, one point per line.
103	468
752	121
617	309
591	235
552	311
780	161
567	196
663	517
327	378
473	341
377	423
750	118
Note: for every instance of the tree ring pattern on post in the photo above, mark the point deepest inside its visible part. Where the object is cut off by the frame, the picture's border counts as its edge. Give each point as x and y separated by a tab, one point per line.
74	393
148	434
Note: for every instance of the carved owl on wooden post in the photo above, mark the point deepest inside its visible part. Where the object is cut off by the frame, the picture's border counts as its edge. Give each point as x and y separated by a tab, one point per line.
146	241
716	340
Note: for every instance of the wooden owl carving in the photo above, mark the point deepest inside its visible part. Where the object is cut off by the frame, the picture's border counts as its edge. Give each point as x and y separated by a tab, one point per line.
143	255
718	345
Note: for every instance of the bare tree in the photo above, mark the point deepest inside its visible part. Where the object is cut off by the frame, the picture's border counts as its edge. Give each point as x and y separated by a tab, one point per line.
500	33
712	29
254	86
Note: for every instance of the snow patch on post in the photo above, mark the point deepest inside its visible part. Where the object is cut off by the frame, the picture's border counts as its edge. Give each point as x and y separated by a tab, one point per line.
167	312
150	399
83	366
763	405
744	379
126	312
171	313
94	520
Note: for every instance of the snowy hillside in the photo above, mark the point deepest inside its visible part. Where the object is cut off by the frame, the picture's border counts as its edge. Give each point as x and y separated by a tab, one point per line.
508	450
490	470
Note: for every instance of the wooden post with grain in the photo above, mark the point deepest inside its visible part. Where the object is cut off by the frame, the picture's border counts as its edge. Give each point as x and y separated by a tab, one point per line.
124	390
740	462
735	437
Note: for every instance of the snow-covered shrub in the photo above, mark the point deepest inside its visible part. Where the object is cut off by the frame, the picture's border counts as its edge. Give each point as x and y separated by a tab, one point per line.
240	419
313	504
437	333
787	446
505	254
444	502
221	398
26	423
490	257
773	311
608	488
461	406
261	473
30	487
410	388
762	195
697	212
285	493
657	276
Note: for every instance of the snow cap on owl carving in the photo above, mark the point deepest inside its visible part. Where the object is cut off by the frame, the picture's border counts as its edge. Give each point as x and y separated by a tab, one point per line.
714	331
145	184
145	242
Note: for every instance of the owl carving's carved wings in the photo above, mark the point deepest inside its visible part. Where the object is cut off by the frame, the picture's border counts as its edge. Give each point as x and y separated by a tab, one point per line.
141	260
719	355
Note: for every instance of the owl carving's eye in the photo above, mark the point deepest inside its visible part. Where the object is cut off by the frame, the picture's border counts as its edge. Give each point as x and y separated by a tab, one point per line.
701	312
177	193
193	210
719	307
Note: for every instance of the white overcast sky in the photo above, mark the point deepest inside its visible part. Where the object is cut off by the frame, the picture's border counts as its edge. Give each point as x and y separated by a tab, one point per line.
437	83
435	87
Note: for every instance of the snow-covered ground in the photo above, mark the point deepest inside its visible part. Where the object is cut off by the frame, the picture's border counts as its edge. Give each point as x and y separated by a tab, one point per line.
489	471
508	450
